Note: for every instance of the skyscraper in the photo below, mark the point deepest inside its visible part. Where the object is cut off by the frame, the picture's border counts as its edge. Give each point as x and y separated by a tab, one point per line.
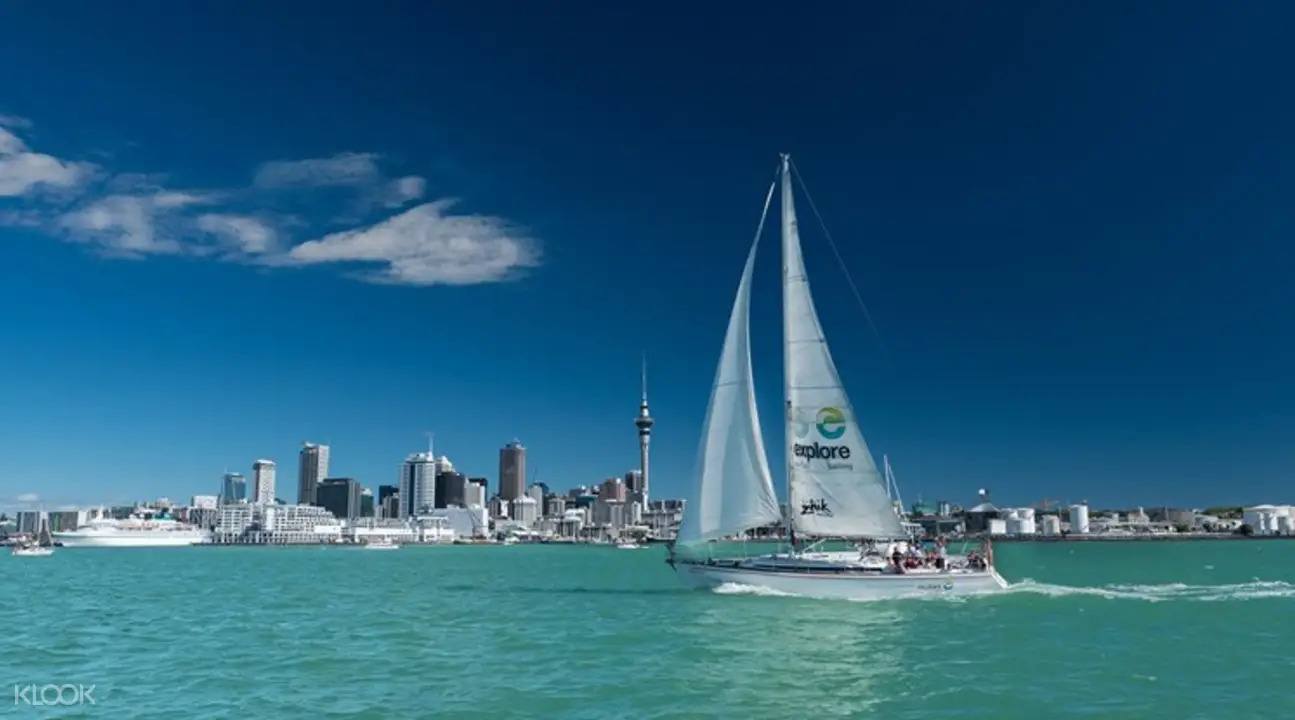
311	470
263	479
417	484
644	424
512	471
234	489
341	497
450	489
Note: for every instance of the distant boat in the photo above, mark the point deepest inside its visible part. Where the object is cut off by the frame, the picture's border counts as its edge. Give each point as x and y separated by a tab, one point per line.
629	545
834	489
31	549
381	544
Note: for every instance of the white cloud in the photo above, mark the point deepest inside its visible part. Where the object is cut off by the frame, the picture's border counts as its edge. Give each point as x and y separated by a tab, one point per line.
342	170
132	225
403	190
23	171
425	246
244	233
357	171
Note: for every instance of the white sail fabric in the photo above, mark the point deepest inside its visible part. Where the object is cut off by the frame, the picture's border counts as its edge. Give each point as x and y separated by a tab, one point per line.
834	488
734	491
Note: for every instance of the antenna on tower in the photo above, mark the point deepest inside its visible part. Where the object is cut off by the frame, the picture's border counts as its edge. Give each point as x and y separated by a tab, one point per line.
431	439
643	376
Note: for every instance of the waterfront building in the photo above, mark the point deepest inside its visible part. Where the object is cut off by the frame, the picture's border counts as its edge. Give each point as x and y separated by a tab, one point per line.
451	489
644	424
365	530
386	493
460	522
555	506
498	508
1019	521
633	481
512	471
609	512
977	518
525	510
340	496
312	468
263	479
366	503
1269	519
612	489
474	493
417	484
30	521
270	524
663	518
204	502
1079	519
233	488
537	492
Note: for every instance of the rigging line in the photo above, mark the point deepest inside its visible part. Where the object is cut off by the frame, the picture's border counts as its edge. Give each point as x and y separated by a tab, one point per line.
768	199
840	260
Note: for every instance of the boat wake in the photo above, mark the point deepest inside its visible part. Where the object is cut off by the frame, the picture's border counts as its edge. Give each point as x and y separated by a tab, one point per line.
731	588
1253	590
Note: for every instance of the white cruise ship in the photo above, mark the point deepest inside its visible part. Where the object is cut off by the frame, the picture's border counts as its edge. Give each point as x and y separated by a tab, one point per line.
140	530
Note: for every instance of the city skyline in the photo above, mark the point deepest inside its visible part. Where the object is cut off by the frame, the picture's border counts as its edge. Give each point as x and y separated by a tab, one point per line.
1068	229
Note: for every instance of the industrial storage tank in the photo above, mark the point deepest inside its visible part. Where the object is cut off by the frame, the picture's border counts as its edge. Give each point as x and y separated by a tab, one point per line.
1051	525
997	526
1079	519
1285	525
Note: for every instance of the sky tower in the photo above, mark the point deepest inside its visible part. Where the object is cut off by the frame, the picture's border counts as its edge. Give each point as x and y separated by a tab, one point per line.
644	423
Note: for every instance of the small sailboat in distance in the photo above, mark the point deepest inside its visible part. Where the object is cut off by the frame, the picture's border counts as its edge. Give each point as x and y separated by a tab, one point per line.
834	489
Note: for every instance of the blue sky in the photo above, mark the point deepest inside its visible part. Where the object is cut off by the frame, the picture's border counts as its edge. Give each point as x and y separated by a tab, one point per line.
229	229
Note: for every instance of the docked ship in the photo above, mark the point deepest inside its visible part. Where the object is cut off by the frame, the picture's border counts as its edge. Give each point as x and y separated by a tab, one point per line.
141	529
835	492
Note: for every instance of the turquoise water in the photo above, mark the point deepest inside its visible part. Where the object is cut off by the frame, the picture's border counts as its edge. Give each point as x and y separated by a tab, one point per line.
1129	630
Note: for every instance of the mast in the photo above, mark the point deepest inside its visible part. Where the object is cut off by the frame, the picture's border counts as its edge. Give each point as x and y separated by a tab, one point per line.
785	206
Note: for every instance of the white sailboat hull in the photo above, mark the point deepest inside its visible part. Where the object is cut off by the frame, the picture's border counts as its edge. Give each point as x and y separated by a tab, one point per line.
842	585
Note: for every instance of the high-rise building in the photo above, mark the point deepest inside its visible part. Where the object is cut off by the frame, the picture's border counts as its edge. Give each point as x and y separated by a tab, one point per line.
233	489
263	479
612	489
525	510
311	470
386	491
537	492
476	491
417	484
366	503
512	471
389	501
450	489
341	497
644	424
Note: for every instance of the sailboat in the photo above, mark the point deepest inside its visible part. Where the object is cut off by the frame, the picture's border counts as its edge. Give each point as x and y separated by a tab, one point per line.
834	490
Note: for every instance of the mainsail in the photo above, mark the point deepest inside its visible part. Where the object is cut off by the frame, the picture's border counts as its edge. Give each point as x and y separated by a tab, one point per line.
834	488
734	491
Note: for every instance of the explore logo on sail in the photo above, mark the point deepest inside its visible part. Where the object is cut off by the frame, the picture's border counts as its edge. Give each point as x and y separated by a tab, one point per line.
830	423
